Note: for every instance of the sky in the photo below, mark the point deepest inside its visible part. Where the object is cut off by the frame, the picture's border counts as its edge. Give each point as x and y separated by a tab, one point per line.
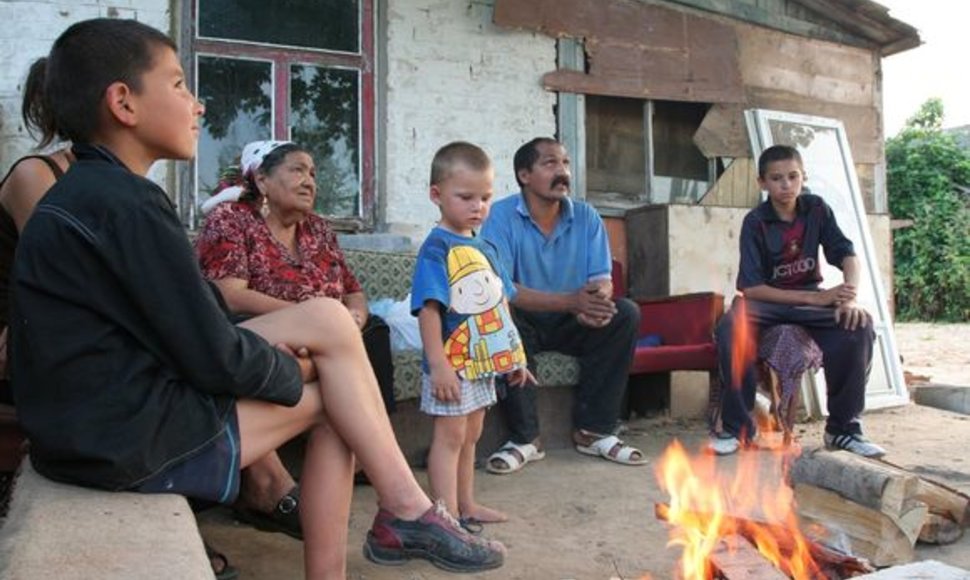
938	68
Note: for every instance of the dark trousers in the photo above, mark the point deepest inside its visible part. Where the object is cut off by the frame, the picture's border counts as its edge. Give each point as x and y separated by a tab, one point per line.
846	359
377	343
604	361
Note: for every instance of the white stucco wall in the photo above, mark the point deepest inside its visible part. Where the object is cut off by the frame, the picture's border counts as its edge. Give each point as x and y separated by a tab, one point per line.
452	74
27	30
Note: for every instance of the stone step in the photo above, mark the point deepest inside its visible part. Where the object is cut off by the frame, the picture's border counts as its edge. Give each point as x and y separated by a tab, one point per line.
55	530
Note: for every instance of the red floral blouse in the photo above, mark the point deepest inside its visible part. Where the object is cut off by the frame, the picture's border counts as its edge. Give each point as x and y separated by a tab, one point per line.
235	242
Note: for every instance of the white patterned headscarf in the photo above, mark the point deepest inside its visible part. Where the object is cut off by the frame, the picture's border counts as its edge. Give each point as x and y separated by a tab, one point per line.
251	159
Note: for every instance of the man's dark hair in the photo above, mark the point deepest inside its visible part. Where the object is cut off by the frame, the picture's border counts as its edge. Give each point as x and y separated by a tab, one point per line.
528	154
85	60
777	153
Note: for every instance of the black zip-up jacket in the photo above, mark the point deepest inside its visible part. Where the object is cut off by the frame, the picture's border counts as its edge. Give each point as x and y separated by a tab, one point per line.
122	362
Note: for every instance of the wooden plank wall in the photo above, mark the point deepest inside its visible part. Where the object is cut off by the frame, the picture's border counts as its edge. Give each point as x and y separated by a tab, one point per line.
649	51
634	49
737	186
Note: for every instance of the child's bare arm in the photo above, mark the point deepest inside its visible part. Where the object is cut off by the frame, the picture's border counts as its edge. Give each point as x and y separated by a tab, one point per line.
444	380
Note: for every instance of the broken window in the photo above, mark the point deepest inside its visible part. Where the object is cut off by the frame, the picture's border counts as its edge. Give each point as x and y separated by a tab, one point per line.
300	71
641	151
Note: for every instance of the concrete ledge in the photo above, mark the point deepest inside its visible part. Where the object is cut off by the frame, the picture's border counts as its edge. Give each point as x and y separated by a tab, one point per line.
949	398
57	531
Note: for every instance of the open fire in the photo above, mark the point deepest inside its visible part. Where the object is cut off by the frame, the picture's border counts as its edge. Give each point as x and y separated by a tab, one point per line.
707	506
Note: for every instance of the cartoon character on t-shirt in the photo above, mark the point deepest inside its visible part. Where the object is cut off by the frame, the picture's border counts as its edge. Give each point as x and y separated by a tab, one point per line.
486	343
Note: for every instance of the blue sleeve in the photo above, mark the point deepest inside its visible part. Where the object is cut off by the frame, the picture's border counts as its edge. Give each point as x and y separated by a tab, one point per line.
497	232
430	280
751	270
836	246
599	263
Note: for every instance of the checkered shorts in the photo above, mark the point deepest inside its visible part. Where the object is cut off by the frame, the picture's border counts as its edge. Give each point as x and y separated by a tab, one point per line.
475	395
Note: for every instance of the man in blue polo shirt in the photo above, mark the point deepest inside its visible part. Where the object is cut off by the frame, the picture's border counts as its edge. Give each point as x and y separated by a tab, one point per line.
558	256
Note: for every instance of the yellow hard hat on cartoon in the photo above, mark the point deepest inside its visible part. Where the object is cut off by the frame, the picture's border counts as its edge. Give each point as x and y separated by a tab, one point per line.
463	260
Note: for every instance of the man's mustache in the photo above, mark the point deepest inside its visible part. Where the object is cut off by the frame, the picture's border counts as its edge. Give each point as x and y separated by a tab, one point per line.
559	180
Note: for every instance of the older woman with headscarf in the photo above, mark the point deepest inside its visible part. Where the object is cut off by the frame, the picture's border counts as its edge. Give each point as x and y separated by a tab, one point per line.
265	249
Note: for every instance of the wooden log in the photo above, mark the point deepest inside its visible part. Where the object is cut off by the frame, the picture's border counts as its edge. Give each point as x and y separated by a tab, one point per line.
942	499
872	534
939	529
867	482
735	558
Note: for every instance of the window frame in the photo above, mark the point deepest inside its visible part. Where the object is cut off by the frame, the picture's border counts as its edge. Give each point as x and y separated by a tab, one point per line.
281	57
574	125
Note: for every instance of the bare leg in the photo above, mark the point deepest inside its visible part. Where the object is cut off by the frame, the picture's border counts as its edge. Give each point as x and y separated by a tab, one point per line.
349	394
443	459
327	474
347	417
329	483
468	507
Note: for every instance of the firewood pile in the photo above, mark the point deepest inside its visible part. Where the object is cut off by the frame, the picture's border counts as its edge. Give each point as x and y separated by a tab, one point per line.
874	509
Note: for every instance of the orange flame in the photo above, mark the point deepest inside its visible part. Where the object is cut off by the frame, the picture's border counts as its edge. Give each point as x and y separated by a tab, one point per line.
707	505
743	343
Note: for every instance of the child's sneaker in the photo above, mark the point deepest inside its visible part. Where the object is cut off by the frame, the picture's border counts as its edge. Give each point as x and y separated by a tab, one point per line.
723	444
854	443
436	536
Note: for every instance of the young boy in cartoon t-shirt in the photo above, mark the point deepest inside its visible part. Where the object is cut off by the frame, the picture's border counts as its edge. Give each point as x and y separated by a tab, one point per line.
779	276
459	295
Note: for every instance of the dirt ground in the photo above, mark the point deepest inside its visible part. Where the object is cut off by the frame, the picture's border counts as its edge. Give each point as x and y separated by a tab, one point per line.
578	517
938	352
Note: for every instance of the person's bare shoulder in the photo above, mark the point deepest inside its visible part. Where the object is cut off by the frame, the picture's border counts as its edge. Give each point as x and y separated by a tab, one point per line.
27	183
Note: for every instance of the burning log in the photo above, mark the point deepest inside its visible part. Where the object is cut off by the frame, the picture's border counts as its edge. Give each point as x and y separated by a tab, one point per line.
883	539
735	558
834	563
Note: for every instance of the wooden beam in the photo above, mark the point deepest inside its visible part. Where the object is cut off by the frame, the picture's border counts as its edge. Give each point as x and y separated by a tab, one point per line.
735	558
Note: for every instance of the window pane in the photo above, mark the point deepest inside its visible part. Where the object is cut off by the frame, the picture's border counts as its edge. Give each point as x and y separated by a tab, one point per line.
237	95
680	170
615	154
322	24
674	152
324	118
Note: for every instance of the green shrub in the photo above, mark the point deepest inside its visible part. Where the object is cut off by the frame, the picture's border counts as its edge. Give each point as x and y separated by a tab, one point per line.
926	170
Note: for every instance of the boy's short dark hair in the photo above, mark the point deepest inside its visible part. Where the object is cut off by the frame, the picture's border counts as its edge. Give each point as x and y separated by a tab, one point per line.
528	154
87	58
778	153
458	152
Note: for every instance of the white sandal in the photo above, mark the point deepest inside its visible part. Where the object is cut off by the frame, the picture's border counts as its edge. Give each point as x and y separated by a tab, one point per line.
514	457
604	446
